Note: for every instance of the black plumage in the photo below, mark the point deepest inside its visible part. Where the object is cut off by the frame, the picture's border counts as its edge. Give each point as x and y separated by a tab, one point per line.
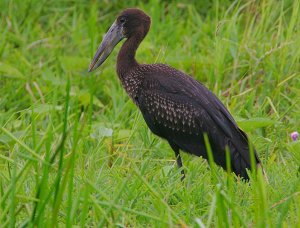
175	106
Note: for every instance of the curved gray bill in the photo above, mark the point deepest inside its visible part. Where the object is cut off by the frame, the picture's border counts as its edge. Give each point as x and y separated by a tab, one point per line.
110	40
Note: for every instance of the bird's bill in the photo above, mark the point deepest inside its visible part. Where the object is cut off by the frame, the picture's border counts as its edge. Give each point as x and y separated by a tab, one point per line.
110	40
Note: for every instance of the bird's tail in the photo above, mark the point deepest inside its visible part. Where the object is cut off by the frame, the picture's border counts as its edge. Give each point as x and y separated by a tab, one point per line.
240	165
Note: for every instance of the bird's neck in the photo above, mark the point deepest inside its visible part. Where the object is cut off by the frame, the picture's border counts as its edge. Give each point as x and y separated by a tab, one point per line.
127	66
126	58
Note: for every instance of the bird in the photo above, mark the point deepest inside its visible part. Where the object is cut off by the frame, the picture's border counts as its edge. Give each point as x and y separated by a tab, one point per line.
174	105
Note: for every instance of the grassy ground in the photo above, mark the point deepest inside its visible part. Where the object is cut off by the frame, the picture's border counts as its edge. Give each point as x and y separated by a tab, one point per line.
74	150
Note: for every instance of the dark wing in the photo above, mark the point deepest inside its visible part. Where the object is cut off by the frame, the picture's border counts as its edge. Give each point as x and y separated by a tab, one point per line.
180	109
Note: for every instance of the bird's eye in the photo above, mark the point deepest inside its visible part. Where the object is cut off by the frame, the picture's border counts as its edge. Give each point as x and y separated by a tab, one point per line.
122	20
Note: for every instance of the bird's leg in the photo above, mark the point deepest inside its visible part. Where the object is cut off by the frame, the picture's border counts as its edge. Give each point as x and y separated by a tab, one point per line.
179	164
178	159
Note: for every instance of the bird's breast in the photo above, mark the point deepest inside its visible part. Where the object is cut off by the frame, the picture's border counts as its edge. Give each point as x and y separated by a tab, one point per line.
131	83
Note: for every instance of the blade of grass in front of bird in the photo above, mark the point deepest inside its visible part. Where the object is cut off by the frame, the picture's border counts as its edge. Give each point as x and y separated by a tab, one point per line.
42	191
221	209
71	162
263	198
252	161
210	159
230	186
58	189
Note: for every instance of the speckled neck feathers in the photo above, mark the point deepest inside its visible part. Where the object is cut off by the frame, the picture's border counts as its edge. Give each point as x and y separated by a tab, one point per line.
127	66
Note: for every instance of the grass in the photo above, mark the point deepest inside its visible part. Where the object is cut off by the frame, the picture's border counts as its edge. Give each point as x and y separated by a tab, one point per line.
74	150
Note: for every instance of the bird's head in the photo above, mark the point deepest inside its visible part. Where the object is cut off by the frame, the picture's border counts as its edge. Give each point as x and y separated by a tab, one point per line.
129	23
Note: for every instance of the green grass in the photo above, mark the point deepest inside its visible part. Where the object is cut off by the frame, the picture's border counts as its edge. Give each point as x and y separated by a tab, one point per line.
74	150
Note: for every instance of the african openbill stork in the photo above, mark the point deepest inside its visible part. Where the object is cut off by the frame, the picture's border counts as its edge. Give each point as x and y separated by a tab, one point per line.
175	106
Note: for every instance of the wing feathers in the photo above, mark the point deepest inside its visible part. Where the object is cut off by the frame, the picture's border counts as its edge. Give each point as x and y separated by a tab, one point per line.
177	106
